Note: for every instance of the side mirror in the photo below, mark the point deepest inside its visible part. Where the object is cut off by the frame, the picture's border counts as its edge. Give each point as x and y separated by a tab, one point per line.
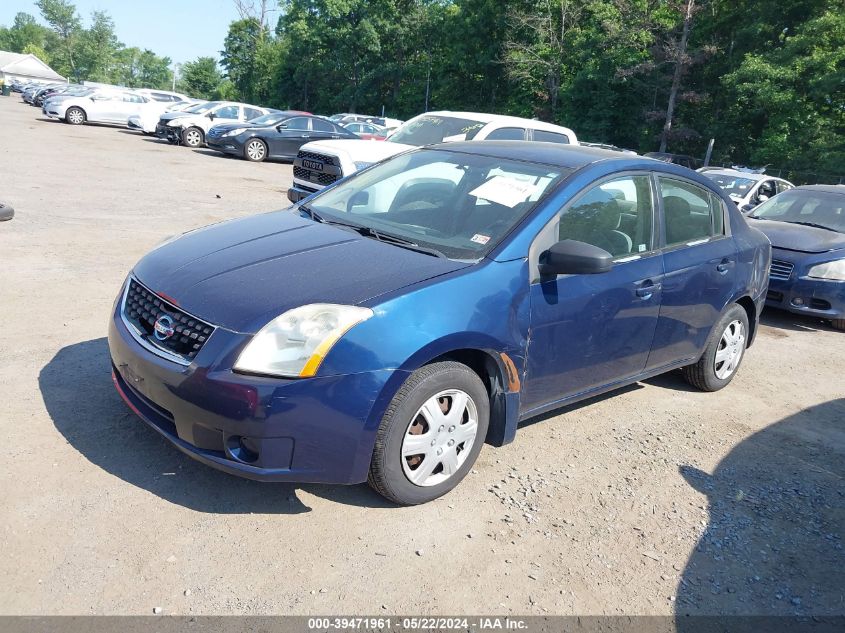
747	208
571	257
210	115
281	127
360	199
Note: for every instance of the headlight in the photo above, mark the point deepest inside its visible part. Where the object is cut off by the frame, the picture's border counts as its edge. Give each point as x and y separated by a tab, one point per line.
362	165
234	132
294	344
174	123
830	270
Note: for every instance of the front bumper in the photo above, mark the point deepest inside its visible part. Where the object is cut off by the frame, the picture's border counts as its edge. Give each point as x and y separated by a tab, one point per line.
223	145
298	192
172	134
309	430
805	295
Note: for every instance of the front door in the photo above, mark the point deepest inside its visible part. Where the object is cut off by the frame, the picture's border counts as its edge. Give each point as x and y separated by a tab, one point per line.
588	331
700	261
290	135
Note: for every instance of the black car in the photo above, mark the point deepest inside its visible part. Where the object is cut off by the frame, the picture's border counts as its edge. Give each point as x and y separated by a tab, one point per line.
274	135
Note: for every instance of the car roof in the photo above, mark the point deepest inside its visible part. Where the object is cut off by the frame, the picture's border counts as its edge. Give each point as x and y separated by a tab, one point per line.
750	175
556	154
487	118
823	188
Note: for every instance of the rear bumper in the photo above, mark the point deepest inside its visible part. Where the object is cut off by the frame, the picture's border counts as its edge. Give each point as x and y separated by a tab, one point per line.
312	430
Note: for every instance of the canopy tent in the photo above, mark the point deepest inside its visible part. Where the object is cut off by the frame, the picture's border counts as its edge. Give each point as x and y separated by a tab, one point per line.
25	66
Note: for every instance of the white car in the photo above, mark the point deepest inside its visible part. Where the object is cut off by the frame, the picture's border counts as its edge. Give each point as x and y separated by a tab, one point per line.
321	163
164	96
190	128
147	120
98	106
746	188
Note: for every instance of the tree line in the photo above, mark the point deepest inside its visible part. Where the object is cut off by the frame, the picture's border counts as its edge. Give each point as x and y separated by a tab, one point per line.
765	79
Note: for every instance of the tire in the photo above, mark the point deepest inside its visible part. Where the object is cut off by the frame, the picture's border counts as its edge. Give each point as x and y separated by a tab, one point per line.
255	150
730	333
838	324
435	386
75	116
193	137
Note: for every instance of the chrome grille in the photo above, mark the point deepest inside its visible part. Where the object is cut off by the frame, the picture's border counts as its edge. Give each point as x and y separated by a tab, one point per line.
781	270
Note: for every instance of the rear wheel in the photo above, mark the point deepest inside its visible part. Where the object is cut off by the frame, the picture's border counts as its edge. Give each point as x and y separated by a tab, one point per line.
192	137
75	116
255	150
723	353
431	434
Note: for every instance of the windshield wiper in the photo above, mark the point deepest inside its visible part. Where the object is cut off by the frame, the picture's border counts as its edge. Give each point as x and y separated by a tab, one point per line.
367	231
813	224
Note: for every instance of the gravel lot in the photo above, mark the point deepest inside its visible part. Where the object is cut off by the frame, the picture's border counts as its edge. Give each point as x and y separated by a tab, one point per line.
655	500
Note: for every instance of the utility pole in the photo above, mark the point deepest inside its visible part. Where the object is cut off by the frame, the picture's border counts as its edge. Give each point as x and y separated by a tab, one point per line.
709	151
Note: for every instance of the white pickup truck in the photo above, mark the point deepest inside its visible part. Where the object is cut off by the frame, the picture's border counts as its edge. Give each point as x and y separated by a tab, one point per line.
322	163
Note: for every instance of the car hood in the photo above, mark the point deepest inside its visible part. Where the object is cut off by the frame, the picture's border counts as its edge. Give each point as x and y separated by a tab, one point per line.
796	237
241	274
169	116
358	150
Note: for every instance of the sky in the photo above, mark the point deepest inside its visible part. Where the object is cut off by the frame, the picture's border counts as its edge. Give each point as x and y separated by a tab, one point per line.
180	29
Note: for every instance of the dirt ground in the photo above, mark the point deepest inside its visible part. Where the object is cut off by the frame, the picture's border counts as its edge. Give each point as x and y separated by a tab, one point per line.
654	500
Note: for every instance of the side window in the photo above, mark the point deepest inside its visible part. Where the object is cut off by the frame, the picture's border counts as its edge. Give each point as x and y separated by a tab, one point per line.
767	189
550	137
252	113
320	125
297	123
228	112
616	215
129	98
782	186
354	127
507	134
690	212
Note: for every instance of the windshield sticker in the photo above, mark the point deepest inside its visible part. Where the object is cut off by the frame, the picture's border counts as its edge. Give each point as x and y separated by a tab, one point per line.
504	190
480	239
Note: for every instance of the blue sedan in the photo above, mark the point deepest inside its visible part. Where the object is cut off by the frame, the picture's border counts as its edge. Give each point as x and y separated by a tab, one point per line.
387	327
806	226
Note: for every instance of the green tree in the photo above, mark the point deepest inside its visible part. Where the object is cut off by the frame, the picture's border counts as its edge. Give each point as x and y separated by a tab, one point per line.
136	68
25	31
201	78
67	26
97	48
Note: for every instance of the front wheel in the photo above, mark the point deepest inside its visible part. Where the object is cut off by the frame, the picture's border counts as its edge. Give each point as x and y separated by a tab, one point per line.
255	150
431	434
192	137
723	353
75	116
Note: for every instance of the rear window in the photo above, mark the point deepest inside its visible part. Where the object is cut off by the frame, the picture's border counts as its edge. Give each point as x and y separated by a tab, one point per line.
436	129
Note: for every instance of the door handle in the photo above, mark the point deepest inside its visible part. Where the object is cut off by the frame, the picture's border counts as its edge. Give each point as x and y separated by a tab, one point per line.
723	266
647	289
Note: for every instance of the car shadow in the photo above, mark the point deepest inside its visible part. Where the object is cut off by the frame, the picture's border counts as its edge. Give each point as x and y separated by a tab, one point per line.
773	545
785	320
81	400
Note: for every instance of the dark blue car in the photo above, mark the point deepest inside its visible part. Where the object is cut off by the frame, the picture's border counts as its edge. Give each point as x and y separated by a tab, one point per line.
387	327
806	226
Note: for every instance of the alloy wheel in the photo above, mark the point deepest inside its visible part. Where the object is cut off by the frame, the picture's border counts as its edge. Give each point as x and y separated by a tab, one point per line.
439	437
255	150
192	138
75	117
730	350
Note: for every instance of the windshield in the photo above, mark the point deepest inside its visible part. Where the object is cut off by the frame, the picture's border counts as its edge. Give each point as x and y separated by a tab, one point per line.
460	205
732	185
429	129
202	108
269	119
805	206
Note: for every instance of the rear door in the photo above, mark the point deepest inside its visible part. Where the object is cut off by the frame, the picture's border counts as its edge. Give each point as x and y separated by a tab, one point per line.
699	257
